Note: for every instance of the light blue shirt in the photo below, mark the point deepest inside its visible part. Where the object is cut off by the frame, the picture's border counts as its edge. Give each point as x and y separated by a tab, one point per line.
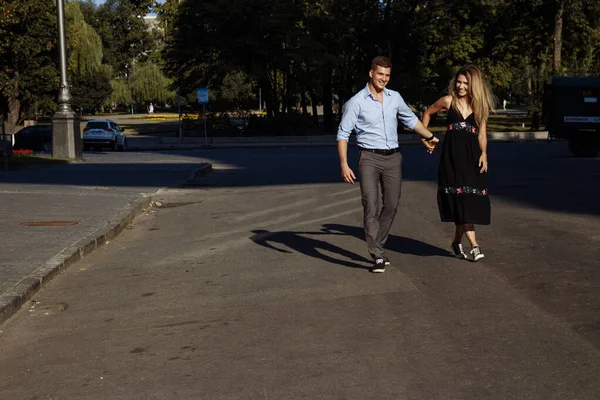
375	123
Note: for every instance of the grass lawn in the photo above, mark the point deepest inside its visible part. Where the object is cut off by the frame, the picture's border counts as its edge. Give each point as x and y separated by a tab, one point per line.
166	124
24	161
496	123
165	128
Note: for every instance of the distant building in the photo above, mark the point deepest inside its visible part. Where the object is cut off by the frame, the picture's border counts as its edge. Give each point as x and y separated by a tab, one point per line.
152	22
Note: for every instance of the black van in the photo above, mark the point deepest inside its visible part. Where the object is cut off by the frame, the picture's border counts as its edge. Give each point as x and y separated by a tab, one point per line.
571	111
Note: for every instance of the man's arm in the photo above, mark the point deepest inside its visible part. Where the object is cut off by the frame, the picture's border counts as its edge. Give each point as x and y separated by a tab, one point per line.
348	122
345	129
347	174
410	120
427	138
424	132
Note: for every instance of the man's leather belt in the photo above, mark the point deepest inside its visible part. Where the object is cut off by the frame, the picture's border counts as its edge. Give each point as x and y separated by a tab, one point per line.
380	151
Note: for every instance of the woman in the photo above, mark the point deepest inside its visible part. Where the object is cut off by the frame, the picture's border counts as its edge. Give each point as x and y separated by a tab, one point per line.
462	192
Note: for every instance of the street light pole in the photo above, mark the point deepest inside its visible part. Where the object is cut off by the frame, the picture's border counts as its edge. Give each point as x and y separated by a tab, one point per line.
66	130
64	95
180	132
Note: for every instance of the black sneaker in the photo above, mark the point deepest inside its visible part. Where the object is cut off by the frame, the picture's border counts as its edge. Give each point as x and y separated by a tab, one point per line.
378	266
477	254
386	261
458	251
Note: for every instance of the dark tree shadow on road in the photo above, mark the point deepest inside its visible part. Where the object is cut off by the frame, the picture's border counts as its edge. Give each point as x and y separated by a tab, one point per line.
532	174
308	246
395	243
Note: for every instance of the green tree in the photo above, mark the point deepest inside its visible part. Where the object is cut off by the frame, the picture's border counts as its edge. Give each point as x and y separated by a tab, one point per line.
288	48
91	91
90	79
28	73
121	92
124	33
581	38
320	50
167	13
236	92
148	84
85	45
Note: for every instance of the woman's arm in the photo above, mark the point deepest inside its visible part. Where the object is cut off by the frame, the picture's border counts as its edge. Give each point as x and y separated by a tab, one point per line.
442	104
482	137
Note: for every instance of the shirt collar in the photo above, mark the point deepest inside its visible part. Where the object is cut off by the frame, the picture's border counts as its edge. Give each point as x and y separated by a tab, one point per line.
367	92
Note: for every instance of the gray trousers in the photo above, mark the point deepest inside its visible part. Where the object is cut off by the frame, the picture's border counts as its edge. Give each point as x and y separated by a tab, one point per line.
380	187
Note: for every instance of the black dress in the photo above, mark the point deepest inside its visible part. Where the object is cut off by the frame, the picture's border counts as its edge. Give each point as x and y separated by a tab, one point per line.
462	192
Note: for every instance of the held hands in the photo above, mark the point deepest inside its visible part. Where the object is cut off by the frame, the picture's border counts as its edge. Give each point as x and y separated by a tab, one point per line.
483	163
430	145
347	174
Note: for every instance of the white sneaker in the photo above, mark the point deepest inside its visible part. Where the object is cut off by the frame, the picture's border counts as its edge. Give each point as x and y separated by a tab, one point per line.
378	266
477	254
458	251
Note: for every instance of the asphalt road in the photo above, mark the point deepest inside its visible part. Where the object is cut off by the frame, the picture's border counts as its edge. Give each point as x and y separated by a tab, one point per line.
252	283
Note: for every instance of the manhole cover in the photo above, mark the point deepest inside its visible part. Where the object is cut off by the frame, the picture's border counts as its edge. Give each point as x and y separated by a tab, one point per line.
50	223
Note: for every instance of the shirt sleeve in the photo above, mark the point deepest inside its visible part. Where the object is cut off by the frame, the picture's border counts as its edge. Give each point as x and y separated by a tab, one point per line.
349	119
406	116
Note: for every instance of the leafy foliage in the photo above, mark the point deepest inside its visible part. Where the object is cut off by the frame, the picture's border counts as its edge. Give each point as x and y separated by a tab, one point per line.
318	51
28	73
124	33
300	54
91	91
148	84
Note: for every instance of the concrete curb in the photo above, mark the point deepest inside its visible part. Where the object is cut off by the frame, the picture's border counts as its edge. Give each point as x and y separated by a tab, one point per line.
517	136
201	171
19	294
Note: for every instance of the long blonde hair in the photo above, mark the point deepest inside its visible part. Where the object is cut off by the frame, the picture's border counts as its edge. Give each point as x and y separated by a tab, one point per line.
481	98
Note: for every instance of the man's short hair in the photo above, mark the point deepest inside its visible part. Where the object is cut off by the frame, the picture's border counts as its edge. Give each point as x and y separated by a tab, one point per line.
381	61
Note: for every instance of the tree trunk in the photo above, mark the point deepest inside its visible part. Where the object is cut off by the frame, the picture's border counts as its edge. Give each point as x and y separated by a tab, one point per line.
388	26
303	103
289	94
315	108
341	102
558	28
284	93
327	100
275	98
268	97
269	90
542	65
14	106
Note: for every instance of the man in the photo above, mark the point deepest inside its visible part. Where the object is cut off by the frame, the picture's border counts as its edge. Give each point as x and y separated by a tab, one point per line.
373	113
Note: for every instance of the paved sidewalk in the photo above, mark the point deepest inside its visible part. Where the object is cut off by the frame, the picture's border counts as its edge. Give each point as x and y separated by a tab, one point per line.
95	199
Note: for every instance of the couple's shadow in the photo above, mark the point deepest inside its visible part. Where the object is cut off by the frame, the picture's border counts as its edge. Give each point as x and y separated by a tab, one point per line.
302	242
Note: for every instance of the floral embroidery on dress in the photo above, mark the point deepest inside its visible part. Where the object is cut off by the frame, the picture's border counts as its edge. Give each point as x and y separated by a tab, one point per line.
465	190
462	125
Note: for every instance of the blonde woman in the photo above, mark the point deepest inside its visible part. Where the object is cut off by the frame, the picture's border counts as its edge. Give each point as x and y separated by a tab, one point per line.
462	191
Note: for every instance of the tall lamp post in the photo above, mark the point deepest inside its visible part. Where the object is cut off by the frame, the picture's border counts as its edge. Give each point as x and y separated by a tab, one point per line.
66	129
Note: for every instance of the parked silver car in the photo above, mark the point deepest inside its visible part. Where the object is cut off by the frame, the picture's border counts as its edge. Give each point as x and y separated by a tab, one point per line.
100	133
